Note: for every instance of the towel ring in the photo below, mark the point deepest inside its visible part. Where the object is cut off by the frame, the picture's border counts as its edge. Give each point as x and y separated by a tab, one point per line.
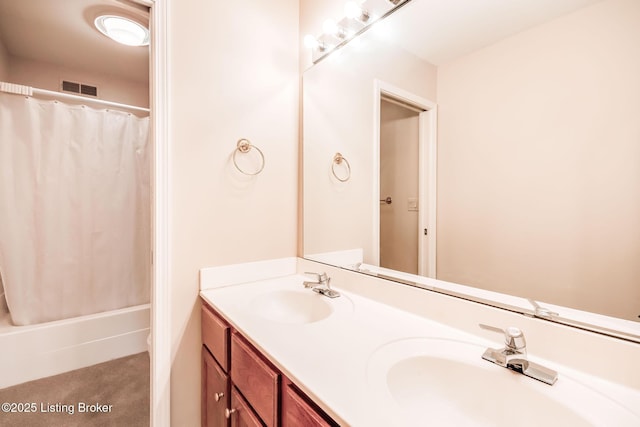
337	160
244	146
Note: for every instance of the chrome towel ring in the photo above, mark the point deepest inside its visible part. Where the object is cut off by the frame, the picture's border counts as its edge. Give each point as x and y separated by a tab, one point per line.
338	159
244	146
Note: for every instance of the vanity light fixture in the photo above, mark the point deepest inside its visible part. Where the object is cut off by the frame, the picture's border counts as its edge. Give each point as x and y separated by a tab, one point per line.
122	30
359	16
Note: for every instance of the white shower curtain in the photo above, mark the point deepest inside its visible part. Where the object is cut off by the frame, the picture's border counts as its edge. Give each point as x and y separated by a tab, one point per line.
74	209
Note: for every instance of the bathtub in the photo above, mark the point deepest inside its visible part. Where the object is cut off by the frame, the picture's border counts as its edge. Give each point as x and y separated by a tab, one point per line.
37	351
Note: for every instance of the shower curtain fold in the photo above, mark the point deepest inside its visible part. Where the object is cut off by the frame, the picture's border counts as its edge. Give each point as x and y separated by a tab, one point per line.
74	209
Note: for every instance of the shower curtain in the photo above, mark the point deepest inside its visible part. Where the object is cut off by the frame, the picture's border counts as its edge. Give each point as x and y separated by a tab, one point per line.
74	209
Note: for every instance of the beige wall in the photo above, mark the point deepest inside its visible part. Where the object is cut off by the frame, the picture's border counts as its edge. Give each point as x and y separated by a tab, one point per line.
550	142
48	76
233	74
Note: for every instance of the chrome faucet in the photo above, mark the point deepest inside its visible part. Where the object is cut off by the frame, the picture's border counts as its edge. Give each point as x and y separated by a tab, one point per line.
322	285
514	355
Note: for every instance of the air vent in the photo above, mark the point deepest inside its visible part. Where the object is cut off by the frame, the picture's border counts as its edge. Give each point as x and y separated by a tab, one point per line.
80	88
88	90
70	86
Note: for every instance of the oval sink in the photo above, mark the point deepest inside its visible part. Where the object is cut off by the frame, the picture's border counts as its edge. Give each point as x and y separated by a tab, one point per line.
433	381
287	306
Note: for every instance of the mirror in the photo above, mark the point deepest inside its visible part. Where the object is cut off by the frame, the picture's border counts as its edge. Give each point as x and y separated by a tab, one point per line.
529	167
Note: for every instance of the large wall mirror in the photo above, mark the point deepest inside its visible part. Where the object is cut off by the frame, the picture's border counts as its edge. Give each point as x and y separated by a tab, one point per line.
493	145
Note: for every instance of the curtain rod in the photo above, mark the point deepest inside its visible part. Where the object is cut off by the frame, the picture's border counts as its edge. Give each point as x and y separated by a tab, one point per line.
31	91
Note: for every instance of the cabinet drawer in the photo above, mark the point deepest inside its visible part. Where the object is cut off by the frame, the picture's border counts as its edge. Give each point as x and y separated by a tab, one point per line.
257	381
215	335
215	392
298	410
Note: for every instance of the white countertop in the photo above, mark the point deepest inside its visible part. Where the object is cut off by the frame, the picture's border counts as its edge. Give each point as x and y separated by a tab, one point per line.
331	360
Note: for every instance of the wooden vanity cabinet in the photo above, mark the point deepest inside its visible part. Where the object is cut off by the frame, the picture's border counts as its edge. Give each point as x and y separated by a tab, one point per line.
240	387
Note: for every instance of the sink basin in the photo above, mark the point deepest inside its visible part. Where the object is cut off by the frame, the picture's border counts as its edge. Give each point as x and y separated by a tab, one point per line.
289	306
432	381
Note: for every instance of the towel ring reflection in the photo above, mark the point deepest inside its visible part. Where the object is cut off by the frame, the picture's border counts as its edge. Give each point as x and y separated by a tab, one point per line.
337	160
244	146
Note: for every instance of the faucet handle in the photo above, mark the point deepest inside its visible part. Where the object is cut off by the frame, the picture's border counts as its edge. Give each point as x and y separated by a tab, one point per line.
539	311
321	278
318	276
513	337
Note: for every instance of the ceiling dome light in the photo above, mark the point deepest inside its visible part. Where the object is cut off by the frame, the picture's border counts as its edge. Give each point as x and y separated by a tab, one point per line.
122	30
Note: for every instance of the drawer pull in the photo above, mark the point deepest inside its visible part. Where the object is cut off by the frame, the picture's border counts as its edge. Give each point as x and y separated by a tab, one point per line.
218	396
228	412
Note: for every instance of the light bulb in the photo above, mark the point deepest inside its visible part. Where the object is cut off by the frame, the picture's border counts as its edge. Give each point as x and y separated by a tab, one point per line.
310	41
353	11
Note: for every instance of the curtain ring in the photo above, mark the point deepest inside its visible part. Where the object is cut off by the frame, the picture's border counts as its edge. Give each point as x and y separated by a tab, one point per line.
337	160
244	146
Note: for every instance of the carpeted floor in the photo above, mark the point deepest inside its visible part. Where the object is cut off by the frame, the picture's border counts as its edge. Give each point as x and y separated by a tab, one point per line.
114	393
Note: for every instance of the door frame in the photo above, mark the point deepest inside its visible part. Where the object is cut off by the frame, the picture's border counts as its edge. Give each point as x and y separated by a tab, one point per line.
160	349
427	141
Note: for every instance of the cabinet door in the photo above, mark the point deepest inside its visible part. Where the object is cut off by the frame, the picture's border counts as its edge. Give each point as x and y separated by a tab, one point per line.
297	411
240	414
256	379
215	392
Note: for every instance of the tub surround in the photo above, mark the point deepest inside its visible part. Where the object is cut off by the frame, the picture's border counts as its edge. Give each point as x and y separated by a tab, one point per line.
38	351
372	313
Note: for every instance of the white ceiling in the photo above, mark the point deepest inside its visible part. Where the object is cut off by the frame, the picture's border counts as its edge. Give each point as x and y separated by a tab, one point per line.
439	31
61	32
